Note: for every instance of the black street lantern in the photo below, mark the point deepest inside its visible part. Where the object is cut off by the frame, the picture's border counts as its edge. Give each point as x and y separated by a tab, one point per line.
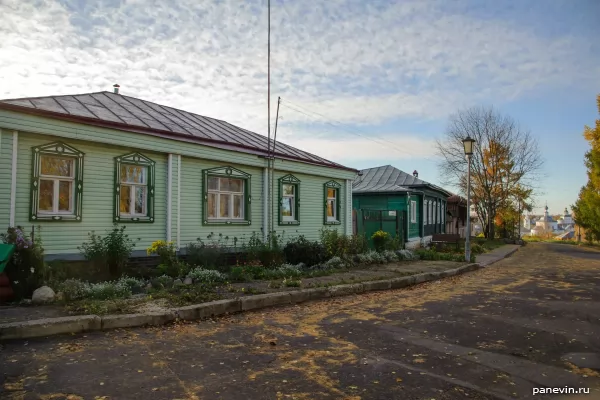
468	143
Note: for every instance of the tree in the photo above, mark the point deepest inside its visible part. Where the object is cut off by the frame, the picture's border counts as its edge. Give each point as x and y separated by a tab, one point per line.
587	206
505	164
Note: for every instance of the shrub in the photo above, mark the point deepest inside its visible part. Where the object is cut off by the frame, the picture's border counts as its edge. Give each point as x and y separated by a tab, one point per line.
335	263
170	264
436	256
26	268
247	271
162	282
199	274
477	249
205	255
301	250
73	289
390	256
380	239
109	253
269	253
286	270
358	244
406	255
108	291
135	285
394	243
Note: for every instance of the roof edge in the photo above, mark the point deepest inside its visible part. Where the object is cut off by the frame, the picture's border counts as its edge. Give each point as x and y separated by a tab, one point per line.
156	132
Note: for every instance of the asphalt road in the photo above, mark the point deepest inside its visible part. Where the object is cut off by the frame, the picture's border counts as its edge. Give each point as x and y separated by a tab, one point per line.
529	321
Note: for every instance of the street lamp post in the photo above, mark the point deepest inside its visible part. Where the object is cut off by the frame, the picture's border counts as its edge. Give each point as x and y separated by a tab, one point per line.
468	144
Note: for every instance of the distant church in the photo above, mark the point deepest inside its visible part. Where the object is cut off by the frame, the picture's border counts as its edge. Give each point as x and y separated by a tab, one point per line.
545	224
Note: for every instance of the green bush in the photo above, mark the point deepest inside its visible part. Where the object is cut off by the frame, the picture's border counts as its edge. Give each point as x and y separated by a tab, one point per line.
26	268
162	282
433	255
390	256
380	240
205	255
247	271
301	250
108	291
135	285
284	271
73	289
477	249
335	263
407	255
269	253
202	275
110	253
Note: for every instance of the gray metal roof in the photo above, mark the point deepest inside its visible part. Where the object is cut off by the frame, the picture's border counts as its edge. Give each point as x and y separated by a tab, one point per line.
140	116
390	179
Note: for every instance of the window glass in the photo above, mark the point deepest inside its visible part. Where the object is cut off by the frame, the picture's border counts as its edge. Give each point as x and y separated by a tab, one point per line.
288	190
331	208
213	183
286	207
238	206
140	200
57	166
330	192
224	202
133	174
212	205
124	199
235	185
46	195
64	195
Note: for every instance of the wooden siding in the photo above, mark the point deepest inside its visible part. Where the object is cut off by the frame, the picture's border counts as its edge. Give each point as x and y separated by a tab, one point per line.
6	143
143	142
312	205
98	176
101	145
390	202
191	203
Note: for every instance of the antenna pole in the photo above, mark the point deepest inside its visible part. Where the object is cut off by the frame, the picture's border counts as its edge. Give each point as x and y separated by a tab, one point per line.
269	195
273	163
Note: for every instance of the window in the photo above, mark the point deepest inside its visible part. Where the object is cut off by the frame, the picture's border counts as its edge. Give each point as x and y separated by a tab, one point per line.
332	203
134	188
226	196
413	211
439	216
56	190
289	200
430	212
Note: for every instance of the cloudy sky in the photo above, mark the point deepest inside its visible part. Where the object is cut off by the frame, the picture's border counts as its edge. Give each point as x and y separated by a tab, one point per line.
362	83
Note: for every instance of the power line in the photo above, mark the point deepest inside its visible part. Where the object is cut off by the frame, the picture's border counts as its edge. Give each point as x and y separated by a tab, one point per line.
307	113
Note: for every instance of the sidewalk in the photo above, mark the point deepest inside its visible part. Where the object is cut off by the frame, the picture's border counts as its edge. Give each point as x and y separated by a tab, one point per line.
23	327
496	255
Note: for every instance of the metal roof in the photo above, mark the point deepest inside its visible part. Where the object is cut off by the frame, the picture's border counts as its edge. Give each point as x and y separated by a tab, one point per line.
390	179
135	115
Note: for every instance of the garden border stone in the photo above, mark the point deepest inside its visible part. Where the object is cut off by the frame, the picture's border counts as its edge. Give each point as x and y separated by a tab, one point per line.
50	326
85	323
132	320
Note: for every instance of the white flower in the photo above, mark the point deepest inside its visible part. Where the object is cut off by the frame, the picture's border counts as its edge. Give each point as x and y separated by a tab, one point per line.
32	270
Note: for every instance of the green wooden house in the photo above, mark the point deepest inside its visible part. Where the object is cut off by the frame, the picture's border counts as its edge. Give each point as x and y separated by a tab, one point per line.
399	203
75	164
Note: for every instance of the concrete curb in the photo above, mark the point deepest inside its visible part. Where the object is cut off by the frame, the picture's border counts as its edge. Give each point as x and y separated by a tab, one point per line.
86	323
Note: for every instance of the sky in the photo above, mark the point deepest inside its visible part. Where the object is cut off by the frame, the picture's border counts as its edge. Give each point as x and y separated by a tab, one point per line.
361	83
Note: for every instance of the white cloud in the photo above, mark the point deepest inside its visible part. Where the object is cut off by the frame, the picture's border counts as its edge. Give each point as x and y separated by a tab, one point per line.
359	149
351	60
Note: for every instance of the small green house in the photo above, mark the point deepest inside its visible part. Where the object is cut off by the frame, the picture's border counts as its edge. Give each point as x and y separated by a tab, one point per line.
80	163
381	193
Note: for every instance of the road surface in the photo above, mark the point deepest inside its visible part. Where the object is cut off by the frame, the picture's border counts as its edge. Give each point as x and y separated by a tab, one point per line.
529	321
